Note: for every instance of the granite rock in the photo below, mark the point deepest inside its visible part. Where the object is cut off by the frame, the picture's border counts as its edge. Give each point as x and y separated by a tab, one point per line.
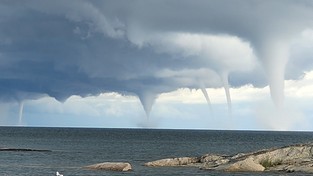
293	158
111	166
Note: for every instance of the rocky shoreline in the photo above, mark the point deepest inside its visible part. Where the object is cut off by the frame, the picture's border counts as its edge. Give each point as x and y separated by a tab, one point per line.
293	158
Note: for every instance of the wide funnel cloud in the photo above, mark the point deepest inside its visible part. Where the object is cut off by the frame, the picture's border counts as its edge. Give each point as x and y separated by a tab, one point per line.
145	48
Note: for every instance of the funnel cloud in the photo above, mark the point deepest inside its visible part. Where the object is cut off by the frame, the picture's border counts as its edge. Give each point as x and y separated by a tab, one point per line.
21	107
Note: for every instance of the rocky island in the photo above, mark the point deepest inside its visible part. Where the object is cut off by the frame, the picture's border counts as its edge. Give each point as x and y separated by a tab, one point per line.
111	166
293	158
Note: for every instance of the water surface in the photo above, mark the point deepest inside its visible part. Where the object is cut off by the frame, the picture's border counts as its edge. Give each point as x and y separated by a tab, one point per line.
72	148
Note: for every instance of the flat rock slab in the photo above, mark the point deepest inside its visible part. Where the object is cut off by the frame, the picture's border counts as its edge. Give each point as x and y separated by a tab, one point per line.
173	162
247	165
111	166
22	150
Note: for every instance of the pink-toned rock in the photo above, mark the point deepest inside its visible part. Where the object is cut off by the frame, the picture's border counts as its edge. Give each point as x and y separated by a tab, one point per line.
111	166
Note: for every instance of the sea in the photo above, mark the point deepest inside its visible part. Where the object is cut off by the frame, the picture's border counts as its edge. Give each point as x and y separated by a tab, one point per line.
68	150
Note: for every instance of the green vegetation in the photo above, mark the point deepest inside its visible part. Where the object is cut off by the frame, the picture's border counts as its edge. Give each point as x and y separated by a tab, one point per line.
268	163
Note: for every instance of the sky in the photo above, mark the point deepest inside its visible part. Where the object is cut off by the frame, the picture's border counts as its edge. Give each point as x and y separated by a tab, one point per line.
179	64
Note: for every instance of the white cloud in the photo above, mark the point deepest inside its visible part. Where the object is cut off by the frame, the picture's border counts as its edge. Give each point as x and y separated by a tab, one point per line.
302	88
246	93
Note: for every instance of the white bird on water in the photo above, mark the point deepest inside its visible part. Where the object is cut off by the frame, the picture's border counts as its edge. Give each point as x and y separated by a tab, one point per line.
58	174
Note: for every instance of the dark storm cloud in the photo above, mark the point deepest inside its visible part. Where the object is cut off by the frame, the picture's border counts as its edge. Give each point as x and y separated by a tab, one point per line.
64	48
